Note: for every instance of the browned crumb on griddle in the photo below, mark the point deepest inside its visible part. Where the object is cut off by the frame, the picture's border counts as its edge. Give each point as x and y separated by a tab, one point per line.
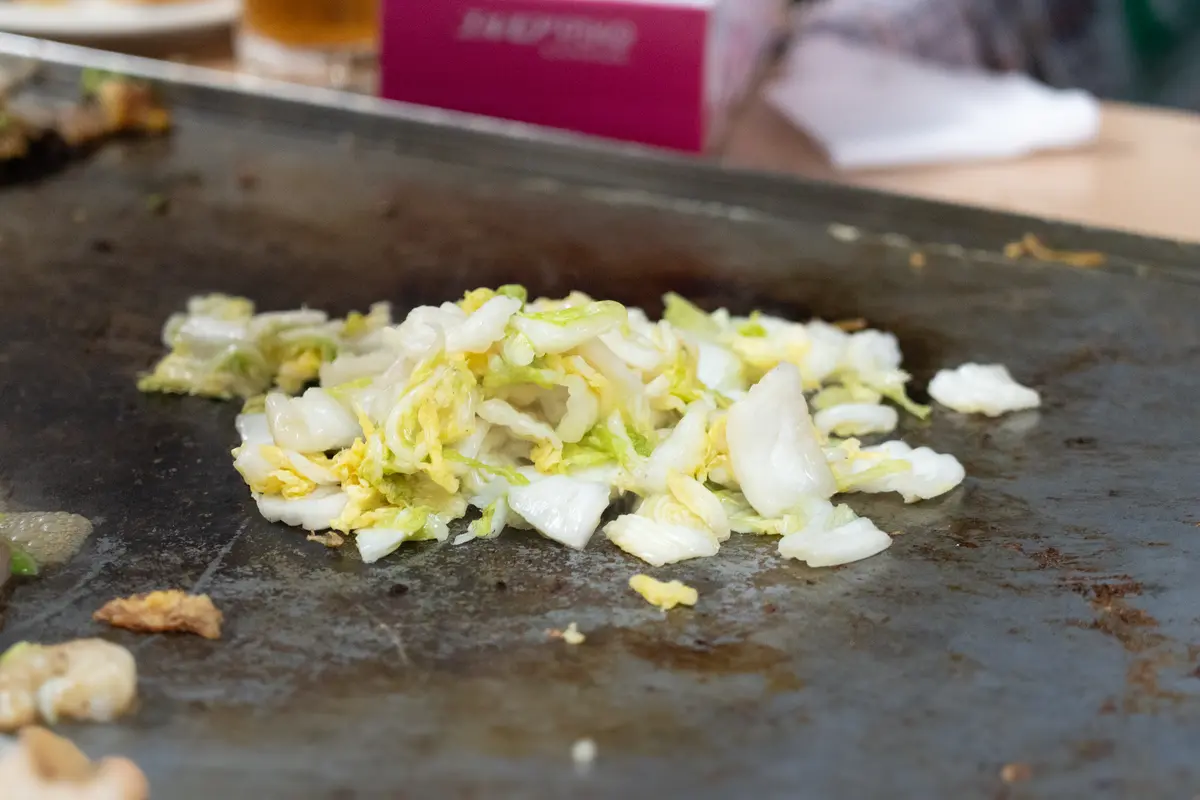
1031	246
14	136
851	325
41	764
160	612
113	105
1104	592
130	106
330	539
1016	772
1050	558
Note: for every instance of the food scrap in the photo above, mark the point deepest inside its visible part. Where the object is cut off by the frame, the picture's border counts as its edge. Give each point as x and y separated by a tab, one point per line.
1032	247
112	105
571	635
85	679
41	765
39	538
1016	772
162	612
664	595
982	389
330	539
583	753
128	105
851	325
540	414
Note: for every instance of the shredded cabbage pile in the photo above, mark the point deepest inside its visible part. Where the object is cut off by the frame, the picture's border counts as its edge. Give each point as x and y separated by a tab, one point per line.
542	414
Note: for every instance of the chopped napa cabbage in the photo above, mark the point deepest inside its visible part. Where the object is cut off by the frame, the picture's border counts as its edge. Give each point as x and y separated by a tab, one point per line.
834	537
349	368
702	502
234	372
874	358
659	543
253	429
582	410
682	452
773	445
541	414
916	474
636	351
220	348
610	441
982	389
491	523
564	329
561	508
376	542
510	474
856	419
315	511
268	469
720	370
851	393
686	316
664	595
312	423
483	327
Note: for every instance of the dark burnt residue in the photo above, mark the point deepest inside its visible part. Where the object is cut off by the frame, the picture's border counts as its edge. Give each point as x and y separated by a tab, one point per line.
1106	591
1081	359
706	659
1144	694
1051	558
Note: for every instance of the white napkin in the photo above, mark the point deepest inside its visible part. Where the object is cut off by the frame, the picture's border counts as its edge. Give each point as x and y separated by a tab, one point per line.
872	109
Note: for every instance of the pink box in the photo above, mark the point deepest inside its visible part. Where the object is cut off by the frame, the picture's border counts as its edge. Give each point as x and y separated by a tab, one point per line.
661	72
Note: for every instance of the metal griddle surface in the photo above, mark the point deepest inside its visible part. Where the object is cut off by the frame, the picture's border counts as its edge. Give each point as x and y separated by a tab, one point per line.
976	640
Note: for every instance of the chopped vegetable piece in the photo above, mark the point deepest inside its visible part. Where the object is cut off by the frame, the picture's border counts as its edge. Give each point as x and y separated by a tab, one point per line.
1031	246
159	612
91	680
21	563
42	765
583	753
541	414
664	595
982	389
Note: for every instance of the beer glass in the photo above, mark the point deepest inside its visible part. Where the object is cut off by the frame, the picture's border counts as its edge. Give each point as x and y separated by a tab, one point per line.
325	42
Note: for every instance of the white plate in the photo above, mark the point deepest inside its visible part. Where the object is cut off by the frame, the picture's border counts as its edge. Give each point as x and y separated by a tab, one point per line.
99	18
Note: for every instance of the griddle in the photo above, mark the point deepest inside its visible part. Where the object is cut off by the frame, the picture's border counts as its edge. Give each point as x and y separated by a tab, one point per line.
1044	613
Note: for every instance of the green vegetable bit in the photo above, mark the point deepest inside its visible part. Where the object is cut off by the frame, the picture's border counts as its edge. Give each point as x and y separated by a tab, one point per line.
21	563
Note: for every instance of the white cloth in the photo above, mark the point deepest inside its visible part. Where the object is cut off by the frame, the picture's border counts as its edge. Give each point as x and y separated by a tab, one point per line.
872	109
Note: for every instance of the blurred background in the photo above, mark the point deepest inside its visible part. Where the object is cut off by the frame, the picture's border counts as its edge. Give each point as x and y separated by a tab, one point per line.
1078	109
1145	51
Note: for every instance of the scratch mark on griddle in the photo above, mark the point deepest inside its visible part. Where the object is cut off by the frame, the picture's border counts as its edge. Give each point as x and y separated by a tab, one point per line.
70	597
215	564
391	632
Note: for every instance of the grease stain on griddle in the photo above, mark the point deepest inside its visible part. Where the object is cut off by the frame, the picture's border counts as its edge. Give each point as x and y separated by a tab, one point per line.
526	699
1144	694
705	660
1051	558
